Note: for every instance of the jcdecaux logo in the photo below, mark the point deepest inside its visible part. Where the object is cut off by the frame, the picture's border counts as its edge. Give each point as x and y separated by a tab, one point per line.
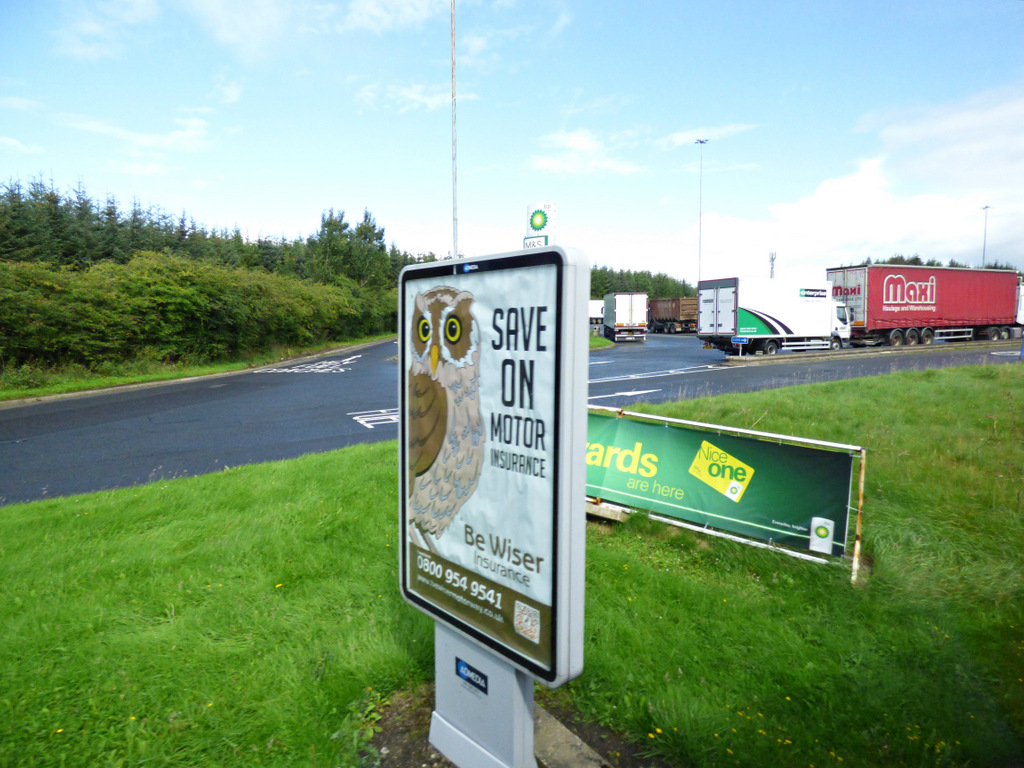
726	474
473	676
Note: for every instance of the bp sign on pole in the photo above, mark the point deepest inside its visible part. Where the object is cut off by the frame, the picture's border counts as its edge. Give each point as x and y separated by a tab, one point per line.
493	426
540	226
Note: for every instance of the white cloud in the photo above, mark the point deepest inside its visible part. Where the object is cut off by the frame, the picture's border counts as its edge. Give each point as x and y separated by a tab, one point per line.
88	40
564	20
129	11
973	145
405	98
20	104
844	221
474	49
923	194
366	96
613	102
97	31
318	18
228	91
410	97
387	15
579	152
190	136
17	146
246	26
582	141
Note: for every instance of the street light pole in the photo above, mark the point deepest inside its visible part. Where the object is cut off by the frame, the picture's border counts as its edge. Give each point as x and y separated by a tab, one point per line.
700	204
455	175
984	239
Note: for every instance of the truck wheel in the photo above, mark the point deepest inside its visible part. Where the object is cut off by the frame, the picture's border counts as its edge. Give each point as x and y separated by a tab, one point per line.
927	336
836	343
992	333
1004	334
895	338
911	337
771	347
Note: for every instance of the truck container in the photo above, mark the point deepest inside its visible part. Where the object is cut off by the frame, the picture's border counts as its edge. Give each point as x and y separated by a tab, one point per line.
625	316
899	304
741	315
596	311
673	315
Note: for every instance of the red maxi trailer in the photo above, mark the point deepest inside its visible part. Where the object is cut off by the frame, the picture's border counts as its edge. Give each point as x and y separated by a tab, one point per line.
901	304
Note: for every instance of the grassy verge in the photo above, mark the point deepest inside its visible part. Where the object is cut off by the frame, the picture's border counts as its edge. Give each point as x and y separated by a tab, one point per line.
596	342
29	381
242	618
252	617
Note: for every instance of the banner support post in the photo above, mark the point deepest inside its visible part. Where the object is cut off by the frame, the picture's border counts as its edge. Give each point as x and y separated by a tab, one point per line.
860	507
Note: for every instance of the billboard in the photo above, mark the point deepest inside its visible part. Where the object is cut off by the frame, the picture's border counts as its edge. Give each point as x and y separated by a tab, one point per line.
796	495
492	398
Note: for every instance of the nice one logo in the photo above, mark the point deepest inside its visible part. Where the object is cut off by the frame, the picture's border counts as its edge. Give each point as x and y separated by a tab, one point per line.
726	474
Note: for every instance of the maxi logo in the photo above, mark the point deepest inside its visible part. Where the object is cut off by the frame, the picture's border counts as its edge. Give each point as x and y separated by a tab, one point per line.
474	677
897	290
726	474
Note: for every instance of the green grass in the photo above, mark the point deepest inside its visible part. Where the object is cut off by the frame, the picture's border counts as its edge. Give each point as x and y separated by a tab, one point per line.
237	618
31	381
250	617
598	341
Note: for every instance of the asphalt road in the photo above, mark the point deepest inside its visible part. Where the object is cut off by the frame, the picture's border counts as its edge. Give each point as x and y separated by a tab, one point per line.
127	437
131	436
678	368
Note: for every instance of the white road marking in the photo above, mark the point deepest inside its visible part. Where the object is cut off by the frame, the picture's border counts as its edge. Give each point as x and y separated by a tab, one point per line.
656	374
371	419
634	393
323	366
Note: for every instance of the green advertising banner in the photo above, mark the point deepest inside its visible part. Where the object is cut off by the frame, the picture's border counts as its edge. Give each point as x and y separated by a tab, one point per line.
792	495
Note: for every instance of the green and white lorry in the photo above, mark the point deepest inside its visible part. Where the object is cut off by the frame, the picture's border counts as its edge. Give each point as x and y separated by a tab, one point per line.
750	315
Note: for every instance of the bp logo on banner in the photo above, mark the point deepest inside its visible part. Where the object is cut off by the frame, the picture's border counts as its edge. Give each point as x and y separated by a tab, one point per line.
822	534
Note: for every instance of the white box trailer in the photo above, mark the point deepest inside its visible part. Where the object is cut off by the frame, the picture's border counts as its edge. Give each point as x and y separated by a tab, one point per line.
595	311
763	315
625	316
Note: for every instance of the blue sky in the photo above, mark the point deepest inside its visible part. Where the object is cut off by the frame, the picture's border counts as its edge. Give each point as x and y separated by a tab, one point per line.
835	130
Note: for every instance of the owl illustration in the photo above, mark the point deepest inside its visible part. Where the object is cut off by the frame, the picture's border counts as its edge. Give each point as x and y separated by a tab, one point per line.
446	429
